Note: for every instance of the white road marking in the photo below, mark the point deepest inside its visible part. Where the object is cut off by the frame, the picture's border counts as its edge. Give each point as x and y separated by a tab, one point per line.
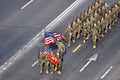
38	37
85	66
34	63
93	58
106	72
27	4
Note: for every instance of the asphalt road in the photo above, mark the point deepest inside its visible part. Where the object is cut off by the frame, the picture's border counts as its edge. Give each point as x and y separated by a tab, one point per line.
107	49
8	8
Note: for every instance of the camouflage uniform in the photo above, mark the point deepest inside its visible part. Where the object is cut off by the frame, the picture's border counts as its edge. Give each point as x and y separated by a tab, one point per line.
43	59
59	67
99	29
118	3
69	35
114	16
92	20
97	5
61	50
52	66
105	9
101	2
116	12
93	7
88	27
103	27
90	12
96	16
84	33
94	36
83	18
86	15
110	19
79	27
74	27
106	22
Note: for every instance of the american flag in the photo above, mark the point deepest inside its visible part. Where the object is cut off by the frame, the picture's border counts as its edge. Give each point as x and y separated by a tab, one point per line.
49	38
57	36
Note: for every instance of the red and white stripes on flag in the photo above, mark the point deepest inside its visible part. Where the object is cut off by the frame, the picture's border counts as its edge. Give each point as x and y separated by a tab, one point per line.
57	36
49	40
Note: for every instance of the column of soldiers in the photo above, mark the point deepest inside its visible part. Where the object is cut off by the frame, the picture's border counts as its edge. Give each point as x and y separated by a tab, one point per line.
45	63
94	22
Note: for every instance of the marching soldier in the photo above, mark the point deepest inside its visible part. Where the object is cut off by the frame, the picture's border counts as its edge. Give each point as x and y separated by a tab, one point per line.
105	8
43	59
90	11
101	2
110	18
86	15
94	35
60	53
92	20
118	3
83	18
74	28
52	66
96	16
106	22
88	27
79	27
59	69
103	27
61	49
69	35
114	15
99	26
116	12
97	5
84	32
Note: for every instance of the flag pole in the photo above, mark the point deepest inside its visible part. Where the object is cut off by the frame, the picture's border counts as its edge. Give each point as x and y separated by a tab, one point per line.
44	40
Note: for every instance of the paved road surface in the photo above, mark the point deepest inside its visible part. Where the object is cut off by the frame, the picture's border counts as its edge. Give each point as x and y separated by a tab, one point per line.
106	67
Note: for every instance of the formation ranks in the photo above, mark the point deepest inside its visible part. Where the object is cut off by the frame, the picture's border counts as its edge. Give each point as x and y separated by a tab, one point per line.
94	23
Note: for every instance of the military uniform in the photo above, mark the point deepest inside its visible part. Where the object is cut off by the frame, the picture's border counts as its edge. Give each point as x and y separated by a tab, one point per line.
43	59
106	23
59	67
83	18
69	35
110	19
96	16
79	27
118	3
74	28
52	66
103	27
99	29
84	33
114	16
116	12
105	9
90	12
61	50
94	36
92	20
88	27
